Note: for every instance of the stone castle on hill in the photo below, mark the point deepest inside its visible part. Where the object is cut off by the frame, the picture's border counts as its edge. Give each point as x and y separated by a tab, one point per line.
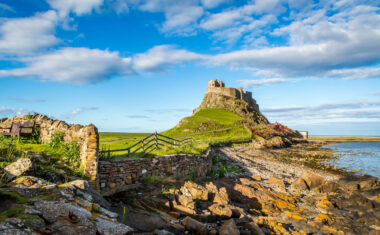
217	87
232	99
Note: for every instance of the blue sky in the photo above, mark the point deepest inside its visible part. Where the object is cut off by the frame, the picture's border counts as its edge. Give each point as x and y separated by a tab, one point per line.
142	65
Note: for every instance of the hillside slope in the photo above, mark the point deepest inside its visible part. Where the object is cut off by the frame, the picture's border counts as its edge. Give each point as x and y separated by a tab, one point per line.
240	107
215	124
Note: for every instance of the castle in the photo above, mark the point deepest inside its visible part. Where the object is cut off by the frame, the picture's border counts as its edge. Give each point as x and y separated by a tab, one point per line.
215	86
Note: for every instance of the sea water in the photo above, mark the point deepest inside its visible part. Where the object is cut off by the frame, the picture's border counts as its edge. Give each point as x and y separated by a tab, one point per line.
361	157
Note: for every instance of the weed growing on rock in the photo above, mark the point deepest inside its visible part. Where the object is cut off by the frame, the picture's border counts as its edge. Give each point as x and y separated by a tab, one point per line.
221	167
69	151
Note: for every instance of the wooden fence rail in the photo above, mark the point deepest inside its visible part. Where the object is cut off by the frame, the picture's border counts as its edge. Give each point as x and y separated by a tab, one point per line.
144	146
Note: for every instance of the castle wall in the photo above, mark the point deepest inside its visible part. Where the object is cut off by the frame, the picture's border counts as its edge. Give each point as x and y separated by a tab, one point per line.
230	92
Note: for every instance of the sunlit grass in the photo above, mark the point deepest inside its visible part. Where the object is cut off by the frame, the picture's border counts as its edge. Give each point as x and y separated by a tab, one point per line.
208	126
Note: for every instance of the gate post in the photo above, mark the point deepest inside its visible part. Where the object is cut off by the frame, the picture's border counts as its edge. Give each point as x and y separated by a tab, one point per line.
155	137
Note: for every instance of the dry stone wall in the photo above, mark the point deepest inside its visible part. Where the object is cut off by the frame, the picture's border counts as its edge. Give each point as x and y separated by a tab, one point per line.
86	136
119	175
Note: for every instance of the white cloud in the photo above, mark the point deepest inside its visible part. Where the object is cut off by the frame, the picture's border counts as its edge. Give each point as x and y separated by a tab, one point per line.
79	7
224	19
260	82
28	100
305	60
5	7
8	112
28	35
159	58
375	93
356	73
181	16
230	25
213	3
354	110
73	65
77	111
266	6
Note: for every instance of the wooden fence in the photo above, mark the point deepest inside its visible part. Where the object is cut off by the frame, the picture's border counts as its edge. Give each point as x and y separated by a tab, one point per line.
144	146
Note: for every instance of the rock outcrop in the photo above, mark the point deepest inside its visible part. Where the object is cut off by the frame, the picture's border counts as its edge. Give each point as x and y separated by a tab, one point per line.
18	168
71	208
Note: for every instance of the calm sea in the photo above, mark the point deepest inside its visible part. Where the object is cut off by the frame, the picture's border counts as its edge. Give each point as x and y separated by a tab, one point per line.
358	155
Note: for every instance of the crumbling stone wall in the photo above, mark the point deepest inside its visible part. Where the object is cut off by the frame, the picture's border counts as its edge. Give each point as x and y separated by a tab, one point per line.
119	175
86	136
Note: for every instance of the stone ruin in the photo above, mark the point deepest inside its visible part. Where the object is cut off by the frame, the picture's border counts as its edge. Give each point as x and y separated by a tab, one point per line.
234	100
86	136
217	87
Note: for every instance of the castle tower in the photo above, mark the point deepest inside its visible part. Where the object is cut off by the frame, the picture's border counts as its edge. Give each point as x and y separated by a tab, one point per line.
217	96
215	83
241	93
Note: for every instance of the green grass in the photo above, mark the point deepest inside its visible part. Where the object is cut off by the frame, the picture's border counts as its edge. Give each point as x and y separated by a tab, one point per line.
10	213
211	125
116	140
208	126
114	136
15	196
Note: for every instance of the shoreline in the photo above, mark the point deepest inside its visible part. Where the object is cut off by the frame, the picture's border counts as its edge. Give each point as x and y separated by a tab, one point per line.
342	139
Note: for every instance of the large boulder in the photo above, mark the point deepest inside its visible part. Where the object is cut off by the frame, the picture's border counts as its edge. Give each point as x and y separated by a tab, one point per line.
310	180
106	227
229	228
275	142
221	197
276	181
355	182
196	191
195	226
145	221
20	167
220	210
186	201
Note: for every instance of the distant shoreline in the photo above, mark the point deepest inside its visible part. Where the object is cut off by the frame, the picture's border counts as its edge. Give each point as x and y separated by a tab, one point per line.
342	139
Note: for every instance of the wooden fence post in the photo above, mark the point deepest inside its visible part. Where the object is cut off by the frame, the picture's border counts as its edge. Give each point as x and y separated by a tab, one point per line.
155	137
143	150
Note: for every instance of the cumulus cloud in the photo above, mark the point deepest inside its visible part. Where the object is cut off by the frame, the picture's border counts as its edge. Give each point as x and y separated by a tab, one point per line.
28	35
73	65
341	110
232	24
138	116
375	93
78	111
355	73
81	7
8	111
159	58
213	3
172	110
181	16
29	100
260	82
5	7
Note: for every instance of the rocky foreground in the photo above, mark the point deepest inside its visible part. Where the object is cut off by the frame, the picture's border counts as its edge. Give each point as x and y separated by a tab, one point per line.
273	191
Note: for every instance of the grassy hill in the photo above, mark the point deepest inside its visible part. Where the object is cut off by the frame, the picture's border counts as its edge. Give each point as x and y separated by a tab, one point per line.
205	127
211	125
